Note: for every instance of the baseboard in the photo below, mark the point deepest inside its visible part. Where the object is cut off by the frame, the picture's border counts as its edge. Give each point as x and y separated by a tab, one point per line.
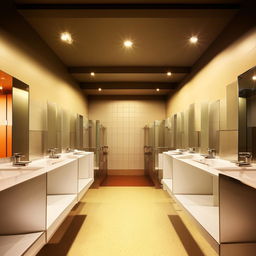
139	172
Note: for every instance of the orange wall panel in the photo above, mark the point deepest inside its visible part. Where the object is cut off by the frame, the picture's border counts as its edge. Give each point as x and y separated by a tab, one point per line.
9	127
2	125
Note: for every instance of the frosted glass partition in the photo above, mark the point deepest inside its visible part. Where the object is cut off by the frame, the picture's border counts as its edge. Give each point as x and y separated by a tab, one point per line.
204	139
79	131
192	139
66	130
180	130
173	131
55	125
59	129
51	125
167	133
186	133
85	133
214	125
73	130
151	135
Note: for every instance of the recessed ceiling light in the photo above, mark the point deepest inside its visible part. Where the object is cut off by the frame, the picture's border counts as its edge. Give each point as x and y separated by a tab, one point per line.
169	73
193	40
254	78
3	78
128	43
157	89
66	37
1	87
99	89
92	74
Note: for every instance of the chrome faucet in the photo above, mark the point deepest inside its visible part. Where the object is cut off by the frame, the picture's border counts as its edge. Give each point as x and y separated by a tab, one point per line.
247	158
68	150
53	154
211	153
17	160
192	150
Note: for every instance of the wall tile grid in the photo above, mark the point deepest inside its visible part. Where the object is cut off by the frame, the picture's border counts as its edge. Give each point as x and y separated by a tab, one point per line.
125	120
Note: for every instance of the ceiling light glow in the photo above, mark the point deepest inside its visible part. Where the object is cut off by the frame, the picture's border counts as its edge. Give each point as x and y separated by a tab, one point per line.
193	40
99	89
1	87
169	73
128	43
254	78
92	74
157	89
66	37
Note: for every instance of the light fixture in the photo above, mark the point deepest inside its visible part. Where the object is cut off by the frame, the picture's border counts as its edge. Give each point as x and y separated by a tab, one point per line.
254	78
92	74
157	89
99	89
66	37
3	78
1	87
169	73
128	43
193	40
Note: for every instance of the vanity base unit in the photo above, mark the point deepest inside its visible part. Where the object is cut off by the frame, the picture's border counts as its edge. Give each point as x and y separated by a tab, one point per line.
223	207
58	207
83	186
23	244
39	199
167	185
204	215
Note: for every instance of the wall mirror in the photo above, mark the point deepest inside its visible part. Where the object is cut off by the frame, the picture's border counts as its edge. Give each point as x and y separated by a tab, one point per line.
247	110
14	116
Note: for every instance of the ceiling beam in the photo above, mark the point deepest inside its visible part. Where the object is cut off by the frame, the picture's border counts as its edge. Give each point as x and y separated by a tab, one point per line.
141	6
129	69
124	10
128	85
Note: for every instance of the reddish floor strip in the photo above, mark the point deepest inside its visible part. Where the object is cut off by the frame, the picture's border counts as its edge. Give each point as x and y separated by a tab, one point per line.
122	180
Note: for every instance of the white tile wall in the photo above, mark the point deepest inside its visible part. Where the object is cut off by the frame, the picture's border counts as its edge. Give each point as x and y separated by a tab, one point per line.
125	120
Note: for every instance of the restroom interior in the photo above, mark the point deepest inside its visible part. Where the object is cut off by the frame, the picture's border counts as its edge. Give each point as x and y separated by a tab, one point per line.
120	88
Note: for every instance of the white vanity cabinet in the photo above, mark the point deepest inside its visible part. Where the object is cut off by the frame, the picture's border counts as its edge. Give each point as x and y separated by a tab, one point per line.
62	182
35	200
219	200
23	217
85	173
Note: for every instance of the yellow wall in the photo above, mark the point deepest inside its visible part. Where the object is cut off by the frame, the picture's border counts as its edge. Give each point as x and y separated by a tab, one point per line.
210	83
25	56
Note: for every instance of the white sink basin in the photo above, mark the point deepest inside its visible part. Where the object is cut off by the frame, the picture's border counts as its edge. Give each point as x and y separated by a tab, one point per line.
12	172
184	156
215	163
54	161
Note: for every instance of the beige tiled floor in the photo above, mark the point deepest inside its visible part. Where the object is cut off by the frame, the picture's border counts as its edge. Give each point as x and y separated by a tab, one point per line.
129	221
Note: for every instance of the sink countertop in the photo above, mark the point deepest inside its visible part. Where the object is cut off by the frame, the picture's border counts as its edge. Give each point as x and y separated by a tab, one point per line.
246	175
12	175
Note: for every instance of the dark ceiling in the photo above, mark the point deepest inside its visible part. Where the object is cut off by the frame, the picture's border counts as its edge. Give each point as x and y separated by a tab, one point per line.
160	33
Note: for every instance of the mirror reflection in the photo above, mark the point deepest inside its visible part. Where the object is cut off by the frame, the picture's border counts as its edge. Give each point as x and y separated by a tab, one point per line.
6	82
14	116
247	110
